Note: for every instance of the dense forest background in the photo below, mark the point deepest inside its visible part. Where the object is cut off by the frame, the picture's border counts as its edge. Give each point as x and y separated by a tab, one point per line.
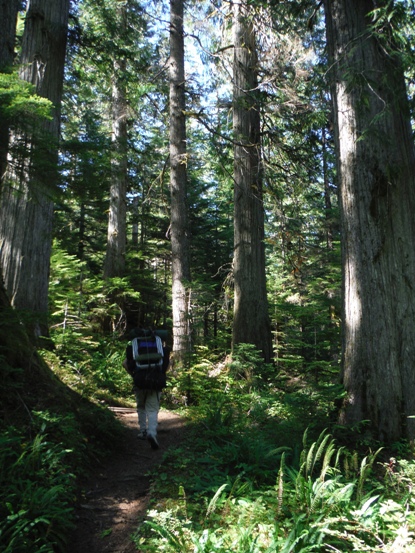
105	227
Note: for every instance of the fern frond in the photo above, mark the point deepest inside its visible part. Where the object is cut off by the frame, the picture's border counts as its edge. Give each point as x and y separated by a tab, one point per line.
165	533
303	453
323	439
309	463
330	450
280	484
213	502
338	456
365	468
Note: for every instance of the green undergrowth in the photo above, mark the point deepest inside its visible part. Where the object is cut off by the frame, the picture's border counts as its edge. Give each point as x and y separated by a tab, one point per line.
91	365
318	505
50	436
263	471
38	489
41	462
263	468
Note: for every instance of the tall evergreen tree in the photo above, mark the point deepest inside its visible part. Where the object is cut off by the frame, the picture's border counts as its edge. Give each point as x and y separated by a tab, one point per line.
116	242
179	230
8	15
26	204
376	174
251	321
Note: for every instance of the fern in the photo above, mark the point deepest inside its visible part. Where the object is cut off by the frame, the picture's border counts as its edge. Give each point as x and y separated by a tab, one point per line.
318	450
213	502
280	484
365	469
36	489
176	541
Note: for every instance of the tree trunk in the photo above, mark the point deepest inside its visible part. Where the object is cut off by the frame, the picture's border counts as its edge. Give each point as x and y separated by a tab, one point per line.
26	207
8	16
116	242
376	174
328	208
178	186
251	320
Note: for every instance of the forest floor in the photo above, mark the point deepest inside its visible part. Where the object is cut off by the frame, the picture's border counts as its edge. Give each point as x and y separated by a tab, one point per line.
115	500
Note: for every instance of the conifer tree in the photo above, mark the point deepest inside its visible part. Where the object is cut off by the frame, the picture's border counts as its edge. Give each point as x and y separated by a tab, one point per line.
114	264
26	203
376	177
8	15
179	230
251	319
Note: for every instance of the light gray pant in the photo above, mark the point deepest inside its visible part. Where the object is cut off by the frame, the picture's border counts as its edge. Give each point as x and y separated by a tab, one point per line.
148	405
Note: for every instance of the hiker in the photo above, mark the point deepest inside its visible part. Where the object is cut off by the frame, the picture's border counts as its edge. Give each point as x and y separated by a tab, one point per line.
147	361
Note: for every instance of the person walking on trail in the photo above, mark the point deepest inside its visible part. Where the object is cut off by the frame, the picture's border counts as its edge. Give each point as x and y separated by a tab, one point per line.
147	361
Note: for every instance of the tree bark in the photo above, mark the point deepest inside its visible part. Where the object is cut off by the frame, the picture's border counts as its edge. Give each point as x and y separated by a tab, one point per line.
251	320
178	188
376	174
114	265
26	203
8	17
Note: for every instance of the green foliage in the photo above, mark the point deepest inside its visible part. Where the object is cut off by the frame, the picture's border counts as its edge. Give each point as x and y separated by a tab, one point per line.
311	509
83	358
37	490
77	297
54	437
248	364
252	478
91	366
19	102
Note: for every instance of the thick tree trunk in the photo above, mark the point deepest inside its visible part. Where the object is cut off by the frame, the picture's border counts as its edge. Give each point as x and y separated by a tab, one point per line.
251	320
8	16
376	173
26	204
178	186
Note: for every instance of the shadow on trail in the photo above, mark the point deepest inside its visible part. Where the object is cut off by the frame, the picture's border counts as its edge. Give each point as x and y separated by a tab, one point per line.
115	500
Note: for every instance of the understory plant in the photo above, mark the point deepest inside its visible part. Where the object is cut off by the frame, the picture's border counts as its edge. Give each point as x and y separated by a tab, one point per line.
247	481
37	494
311	508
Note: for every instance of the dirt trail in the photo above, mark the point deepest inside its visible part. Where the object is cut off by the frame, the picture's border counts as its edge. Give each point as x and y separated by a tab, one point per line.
116	498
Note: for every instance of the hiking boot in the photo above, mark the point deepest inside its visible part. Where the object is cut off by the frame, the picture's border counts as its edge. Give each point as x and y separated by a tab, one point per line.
153	441
142	435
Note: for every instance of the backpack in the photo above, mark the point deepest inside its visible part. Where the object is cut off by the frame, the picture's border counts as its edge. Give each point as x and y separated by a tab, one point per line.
148	357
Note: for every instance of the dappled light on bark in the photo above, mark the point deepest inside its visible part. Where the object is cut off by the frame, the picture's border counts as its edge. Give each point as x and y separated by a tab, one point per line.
377	193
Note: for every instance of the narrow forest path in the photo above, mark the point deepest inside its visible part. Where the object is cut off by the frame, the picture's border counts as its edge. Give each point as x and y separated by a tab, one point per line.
116	498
